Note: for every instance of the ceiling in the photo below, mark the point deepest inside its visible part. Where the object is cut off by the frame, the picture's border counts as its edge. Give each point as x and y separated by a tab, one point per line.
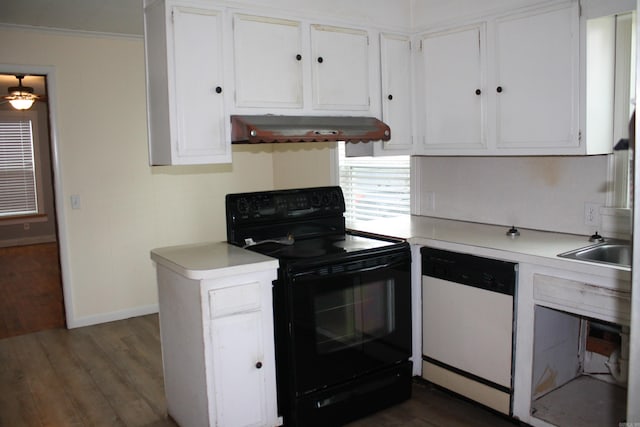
105	16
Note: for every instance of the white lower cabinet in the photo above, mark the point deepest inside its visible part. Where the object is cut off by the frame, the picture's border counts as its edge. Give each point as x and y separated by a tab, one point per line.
218	349
572	346
238	356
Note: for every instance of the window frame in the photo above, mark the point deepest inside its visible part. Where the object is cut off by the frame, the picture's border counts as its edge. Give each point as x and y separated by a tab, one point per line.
615	216
40	215
336	170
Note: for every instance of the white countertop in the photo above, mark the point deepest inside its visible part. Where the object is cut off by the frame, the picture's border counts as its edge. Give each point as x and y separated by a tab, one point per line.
533	246
211	260
218	259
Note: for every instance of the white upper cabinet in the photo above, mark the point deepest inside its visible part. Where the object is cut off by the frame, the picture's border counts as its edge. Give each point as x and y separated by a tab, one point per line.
286	64
452	74
537	80
395	68
185	85
340	68
509	85
268	62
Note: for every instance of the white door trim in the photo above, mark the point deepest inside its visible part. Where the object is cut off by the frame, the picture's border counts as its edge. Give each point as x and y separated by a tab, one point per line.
49	72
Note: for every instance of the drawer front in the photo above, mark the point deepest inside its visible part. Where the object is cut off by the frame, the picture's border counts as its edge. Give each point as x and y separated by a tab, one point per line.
234	299
582	298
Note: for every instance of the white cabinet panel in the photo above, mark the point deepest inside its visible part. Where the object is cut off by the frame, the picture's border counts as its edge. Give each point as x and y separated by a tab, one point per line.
238	374
198	82
185	84
268	62
506	86
395	64
340	68
453	82
537	71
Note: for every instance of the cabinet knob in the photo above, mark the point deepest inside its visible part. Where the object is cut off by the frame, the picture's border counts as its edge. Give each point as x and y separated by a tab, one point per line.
320	59
499	89
298	57
478	91
259	365
390	97
218	89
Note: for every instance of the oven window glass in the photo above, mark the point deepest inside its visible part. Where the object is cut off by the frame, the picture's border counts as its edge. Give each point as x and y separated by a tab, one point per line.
352	316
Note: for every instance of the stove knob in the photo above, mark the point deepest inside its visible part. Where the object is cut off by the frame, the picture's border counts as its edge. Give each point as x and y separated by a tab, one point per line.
335	199
243	206
315	200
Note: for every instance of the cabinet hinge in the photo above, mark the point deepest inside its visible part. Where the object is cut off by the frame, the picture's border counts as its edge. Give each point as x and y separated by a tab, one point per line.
420	46
579	136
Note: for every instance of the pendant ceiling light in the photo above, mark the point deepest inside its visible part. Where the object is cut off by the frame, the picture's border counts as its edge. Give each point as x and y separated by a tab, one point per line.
21	97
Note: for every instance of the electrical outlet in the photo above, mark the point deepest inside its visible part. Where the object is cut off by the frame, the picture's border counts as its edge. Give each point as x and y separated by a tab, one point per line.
592	213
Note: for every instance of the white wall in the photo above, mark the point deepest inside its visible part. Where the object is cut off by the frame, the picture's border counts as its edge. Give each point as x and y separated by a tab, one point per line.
128	207
544	193
379	13
303	164
433	13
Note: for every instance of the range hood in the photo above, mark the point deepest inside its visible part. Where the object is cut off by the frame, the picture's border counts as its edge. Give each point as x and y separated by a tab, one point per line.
273	128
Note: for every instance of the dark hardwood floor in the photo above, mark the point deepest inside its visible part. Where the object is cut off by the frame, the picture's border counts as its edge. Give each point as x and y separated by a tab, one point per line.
111	375
30	289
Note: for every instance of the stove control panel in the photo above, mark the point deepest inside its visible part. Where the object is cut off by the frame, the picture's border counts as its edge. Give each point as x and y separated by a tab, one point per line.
285	204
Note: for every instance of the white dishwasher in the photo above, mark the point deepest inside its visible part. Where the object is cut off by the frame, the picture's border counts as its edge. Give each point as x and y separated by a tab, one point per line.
468	324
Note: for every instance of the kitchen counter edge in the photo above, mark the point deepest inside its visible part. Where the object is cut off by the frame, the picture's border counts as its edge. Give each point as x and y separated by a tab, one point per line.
531	246
211	260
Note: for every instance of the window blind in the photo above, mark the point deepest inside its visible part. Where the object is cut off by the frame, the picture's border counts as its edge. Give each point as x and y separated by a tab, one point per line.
374	187
17	168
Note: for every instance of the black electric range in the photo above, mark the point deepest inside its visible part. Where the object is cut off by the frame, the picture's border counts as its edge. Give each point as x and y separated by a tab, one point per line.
342	304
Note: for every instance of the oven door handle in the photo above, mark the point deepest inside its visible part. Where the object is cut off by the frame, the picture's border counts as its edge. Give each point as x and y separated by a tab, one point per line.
342	269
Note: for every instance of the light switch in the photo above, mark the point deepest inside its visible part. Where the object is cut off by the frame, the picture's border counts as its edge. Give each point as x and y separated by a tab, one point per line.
75	201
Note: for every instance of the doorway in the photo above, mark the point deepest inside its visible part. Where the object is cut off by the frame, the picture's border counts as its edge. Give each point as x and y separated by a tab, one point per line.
31	292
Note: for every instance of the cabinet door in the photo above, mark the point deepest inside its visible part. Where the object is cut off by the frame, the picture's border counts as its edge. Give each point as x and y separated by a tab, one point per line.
340	70
239	383
536	82
196	74
452	82
268	62
395	57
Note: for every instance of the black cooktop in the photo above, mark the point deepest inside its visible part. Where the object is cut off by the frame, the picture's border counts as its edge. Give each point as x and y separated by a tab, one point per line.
319	246
295	224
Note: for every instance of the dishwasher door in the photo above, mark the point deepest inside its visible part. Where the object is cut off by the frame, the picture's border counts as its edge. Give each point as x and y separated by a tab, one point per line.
467	341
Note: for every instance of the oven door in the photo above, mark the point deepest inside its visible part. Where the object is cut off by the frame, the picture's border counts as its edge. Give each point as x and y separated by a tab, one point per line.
349	318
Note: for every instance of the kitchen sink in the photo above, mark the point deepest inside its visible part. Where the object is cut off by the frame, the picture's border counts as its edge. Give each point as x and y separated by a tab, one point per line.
616	253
